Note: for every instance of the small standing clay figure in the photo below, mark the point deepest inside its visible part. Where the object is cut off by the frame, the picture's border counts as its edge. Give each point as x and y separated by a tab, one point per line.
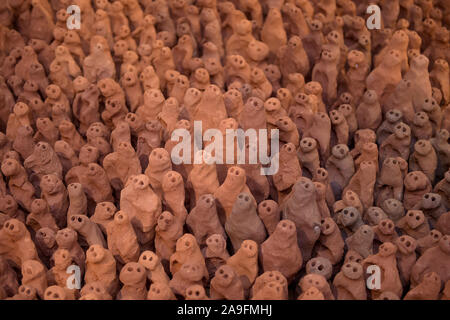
269	213
88	230
350	283
174	194
187	250
416	185
40	216
68	239
427	289
33	275
331	242
215	253
421	126
159	164
357	73
143	206
8	277
234	184
133	277
160	291
386	261
25	292
432	206
363	182
433	259
101	267
325	72
385	231
121	165
392	118
226	284
430	240
386	75
23	142
311	294
415	224
189	274
55	193
203	219
56	293
301	208
318	281
168	231
196	292
271	285
99	63
406	256
280	251
69	133
424	159
45	244
58	273
43	161
272	32
309	155
95	289
77	200
340	166
122	240
18	184
10	207
368	111
390	180
361	241
245	262
17	245
20	116
397	144
244	223
155	270
289	166
350	218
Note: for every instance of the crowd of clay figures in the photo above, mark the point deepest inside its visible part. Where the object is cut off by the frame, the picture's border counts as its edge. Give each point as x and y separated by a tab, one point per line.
92	207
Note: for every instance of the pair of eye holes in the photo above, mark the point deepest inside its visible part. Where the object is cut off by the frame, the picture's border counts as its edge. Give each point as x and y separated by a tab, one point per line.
389	225
407	242
79	219
354	269
9	226
427	196
242	197
144	257
224	275
49	293
315	283
191	293
320	267
210	240
131	269
415	177
347	212
285	225
25	290
411	214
